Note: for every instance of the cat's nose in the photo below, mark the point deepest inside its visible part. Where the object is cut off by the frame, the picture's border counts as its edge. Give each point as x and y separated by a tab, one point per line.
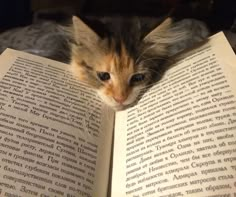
120	99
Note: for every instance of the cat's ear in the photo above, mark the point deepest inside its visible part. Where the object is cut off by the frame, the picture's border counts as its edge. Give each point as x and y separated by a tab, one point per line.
164	36
83	34
160	30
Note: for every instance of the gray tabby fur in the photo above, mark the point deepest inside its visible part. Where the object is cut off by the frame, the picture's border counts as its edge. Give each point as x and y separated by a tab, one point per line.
45	39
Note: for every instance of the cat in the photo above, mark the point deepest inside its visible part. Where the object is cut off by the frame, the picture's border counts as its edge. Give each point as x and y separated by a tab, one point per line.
120	57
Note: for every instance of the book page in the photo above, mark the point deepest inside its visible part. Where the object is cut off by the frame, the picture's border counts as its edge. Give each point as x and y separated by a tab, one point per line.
179	140
55	133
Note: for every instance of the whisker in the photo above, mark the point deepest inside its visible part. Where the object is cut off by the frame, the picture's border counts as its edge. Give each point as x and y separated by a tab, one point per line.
148	86
160	73
158	58
141	55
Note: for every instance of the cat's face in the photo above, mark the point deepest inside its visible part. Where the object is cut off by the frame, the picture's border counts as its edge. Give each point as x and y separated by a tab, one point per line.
118	68
118	78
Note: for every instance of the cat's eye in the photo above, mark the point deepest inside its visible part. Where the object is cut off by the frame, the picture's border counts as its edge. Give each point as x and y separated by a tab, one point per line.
103	76
137	78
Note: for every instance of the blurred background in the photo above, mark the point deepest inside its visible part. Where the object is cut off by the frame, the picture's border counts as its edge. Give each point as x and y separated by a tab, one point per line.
41	17
218	14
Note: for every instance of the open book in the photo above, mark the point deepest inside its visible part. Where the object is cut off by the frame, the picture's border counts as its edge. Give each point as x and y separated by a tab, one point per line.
179	140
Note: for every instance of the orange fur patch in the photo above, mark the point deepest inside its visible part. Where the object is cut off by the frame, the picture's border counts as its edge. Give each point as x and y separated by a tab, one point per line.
121	68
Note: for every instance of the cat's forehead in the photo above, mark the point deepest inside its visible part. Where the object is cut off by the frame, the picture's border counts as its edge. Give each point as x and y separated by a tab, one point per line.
118	60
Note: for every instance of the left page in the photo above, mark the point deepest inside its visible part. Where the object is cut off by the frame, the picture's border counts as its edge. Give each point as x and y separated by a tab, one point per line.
55	133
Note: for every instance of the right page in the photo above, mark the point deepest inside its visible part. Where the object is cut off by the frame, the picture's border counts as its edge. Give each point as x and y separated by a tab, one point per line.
179	140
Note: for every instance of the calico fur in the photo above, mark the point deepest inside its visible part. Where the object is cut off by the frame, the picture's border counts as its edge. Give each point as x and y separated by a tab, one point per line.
125	47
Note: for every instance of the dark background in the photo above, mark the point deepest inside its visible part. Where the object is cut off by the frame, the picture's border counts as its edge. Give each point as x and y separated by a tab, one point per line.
218	14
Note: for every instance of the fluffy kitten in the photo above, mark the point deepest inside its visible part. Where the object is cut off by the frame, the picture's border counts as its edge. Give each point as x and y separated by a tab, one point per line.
122	56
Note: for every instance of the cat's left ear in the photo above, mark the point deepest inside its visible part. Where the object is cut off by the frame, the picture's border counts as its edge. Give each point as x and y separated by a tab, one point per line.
83	33
164	36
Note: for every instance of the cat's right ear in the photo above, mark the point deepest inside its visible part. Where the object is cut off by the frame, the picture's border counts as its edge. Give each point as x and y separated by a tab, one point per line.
83	34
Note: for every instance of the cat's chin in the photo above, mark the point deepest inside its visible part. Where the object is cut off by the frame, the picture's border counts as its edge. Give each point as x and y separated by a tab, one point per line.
118	107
